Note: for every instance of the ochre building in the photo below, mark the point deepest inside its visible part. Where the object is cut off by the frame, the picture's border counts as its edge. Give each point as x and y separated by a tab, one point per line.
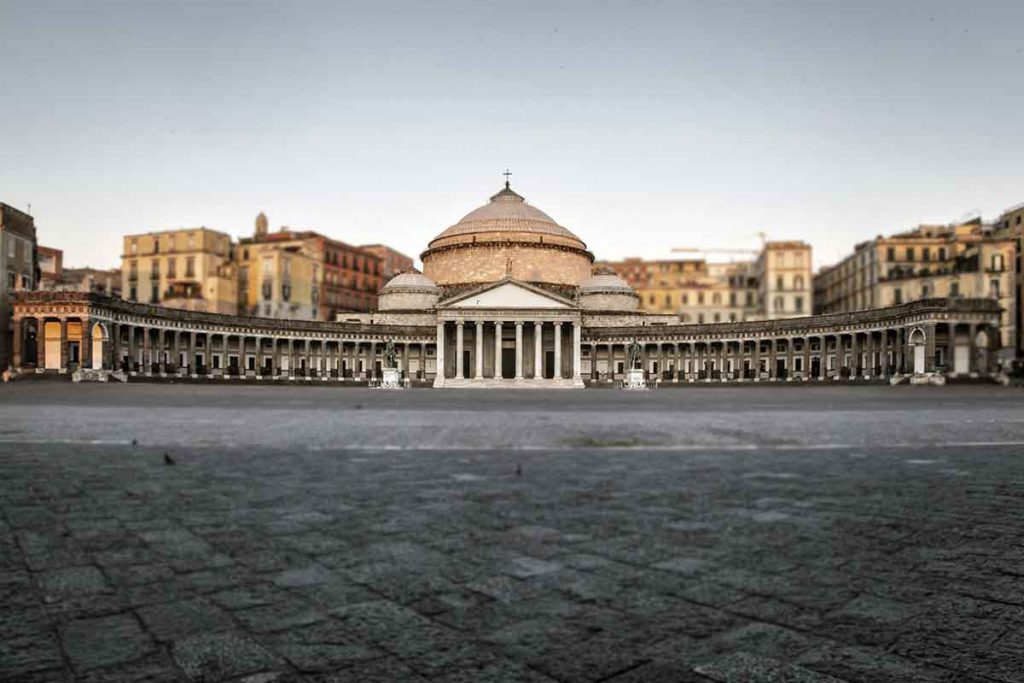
508	298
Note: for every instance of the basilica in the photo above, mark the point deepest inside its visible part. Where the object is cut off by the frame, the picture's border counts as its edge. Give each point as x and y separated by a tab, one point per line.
507	297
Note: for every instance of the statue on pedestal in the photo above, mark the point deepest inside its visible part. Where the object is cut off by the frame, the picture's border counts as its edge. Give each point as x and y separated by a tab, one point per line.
635	353
390	355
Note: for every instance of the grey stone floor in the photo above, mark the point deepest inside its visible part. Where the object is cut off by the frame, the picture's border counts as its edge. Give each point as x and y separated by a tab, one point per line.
759	534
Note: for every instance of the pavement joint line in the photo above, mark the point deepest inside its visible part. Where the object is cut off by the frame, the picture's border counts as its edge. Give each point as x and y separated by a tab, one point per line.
681	448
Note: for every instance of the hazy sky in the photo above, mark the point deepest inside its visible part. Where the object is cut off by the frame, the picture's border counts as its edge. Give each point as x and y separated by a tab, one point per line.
638	125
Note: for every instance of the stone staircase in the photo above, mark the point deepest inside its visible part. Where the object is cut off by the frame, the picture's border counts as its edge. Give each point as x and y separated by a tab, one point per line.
492	383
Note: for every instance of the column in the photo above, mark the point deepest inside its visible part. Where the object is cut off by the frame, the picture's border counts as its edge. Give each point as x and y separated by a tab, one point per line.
756	360
259	356
611	361
146	366
789	359
497	349
290	353
643	358
929	347
854	356
479	365
577	346
883	355
593	361
115	346
773	355
807	359
85	348
972	345
558	349
176	349
439	378
372	363
519	349
679	364
405	360
423	359
538	338
160	346
459	346
208	354
823	358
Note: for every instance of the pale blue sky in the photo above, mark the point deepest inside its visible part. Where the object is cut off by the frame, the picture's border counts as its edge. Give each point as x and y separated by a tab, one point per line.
638	125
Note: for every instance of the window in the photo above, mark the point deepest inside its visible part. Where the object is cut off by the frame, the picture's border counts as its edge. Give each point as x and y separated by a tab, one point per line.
732	317
799	304
685	299
286	292
133	247
133	270
268	265
926	290
154	294
890	254
154	269
668	300
750	298
993	289
942	253
732	298
716	298
133	293
12	280
192	241
798	282
190	266
910	253
700	298
268	289
926	254
997	262
954	289
780	283
156	245
779	303
718	317
172	267
897	296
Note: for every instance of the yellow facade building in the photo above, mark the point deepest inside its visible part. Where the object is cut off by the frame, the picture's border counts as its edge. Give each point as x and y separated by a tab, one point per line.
280	276
190	268
966	260
776	284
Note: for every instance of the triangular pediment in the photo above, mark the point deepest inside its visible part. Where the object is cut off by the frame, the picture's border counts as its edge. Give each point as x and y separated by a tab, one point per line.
508	294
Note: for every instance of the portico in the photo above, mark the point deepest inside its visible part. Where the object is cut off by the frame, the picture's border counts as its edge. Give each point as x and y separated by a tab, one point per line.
509	333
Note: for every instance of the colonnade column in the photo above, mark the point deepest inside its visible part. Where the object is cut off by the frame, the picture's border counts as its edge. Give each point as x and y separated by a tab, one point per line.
439	375
459	340
807	359
538	337
146	363
479	365
558	350
883	355
611	361
497	349
577	346
519	349
756	360
593	361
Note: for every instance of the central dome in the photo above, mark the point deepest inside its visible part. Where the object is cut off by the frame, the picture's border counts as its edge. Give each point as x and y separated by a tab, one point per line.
507	212
507	238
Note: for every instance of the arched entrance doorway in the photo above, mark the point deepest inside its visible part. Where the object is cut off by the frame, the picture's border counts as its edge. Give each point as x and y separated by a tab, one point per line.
917	343
99	340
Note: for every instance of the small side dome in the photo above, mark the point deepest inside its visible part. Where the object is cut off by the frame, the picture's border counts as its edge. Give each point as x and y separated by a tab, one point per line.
606	291
408	291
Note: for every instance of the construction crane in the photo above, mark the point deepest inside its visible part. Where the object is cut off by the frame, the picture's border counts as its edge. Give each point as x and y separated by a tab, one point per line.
724	250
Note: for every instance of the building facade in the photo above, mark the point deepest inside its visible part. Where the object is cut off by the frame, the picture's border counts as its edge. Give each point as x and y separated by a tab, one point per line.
392	261
508	298
19	269
1011	226
51	265
969	260
192	268
86	279
347	277
775	284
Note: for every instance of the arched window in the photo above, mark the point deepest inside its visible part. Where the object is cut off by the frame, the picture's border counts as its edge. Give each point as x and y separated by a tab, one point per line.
779	303
798	282
779	283
716	298
997	262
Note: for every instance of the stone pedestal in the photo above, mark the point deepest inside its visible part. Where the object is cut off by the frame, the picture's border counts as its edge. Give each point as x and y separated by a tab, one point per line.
391	378
634	380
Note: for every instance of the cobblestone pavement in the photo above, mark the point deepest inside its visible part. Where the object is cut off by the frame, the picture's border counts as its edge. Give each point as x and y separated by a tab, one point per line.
806	544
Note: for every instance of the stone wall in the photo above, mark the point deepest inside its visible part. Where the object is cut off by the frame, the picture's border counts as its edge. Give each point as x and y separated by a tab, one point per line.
488	262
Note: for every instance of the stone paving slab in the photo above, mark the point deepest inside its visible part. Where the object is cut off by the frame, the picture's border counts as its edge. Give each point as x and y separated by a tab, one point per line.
593	564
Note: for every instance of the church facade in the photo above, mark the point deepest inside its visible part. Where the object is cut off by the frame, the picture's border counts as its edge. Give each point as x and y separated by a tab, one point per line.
507	298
